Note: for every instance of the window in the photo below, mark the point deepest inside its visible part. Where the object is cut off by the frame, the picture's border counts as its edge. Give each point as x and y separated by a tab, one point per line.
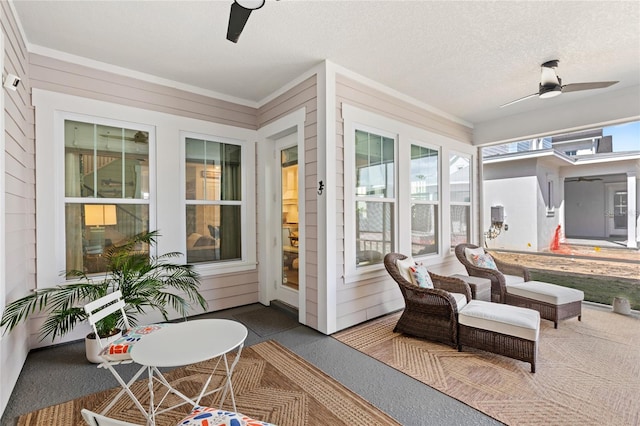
213	192
107	171
460	198
397	195
106	189
374	196
424	200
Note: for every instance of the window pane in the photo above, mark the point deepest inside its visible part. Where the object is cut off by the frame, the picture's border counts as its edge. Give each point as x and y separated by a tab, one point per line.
91	229
460	172
212	171
424	229
105	161
424	173
374	231
374	165
213	233
460	225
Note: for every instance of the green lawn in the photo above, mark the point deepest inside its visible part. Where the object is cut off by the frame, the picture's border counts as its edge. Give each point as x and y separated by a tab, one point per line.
596	289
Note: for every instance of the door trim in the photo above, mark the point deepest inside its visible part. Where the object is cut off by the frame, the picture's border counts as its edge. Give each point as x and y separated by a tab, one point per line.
266	200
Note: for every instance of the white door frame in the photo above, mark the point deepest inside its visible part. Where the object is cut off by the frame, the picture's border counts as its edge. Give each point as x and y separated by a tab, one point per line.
281	292
267	164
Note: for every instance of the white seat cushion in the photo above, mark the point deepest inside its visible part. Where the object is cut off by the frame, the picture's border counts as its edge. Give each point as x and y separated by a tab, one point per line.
545	292
512	279
461	300
505	319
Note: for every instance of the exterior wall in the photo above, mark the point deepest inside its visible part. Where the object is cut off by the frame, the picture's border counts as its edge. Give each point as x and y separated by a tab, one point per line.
64	77
378	295
18	215
304	95
520	209
221	291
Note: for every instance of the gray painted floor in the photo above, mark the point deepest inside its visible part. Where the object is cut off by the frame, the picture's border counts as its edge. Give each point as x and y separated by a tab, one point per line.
61	373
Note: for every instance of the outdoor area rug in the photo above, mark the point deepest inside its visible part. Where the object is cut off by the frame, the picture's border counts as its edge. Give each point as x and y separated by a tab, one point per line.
271	383
587	372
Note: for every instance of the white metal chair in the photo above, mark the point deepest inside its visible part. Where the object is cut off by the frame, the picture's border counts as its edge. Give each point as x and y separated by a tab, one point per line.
95	419
96	311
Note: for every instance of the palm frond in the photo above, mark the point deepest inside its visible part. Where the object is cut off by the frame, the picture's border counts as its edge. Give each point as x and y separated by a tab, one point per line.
147	283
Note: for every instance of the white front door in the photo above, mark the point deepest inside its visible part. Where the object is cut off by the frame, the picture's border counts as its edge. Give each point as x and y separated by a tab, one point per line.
286	258
617	205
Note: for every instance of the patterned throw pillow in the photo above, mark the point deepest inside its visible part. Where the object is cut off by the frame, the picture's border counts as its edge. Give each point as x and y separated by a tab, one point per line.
484	261
420	276
205	416
120	349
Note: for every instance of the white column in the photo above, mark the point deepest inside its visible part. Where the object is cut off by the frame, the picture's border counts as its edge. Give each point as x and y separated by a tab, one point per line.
632	210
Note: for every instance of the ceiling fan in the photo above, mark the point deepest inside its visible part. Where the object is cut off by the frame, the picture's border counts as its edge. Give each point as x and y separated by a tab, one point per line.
138	137
551	85
582	179
240	11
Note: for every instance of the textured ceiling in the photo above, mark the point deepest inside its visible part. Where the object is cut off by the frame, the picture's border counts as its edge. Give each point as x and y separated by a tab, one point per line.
464	58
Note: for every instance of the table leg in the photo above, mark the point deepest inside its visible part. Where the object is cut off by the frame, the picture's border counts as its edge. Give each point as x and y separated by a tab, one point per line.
151	419
227	386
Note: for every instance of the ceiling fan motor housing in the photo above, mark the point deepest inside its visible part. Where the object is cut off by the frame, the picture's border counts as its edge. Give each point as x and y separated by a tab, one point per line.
549	90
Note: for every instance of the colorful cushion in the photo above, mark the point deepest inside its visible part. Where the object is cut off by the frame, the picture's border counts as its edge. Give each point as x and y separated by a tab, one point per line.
205	416
120	349
420	276
403	267
484	261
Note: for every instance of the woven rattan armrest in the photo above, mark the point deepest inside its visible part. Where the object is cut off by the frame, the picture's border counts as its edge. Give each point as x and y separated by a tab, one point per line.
451	284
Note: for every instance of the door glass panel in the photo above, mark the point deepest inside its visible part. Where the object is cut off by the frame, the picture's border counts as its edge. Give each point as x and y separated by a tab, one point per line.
620	209
289	212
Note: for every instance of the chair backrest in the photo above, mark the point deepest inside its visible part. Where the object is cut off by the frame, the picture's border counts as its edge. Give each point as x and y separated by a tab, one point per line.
106	305
95	419
462	255
392	268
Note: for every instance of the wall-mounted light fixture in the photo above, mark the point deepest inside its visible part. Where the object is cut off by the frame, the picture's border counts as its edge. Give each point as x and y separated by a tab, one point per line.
11	81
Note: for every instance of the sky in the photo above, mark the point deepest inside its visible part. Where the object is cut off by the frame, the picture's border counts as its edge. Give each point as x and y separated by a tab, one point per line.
626	137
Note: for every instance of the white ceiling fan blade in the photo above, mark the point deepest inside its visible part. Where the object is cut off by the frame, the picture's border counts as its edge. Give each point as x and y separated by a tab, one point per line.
518	100
576	87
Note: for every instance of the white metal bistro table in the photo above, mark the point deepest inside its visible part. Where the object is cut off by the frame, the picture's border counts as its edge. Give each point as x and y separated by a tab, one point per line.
187	343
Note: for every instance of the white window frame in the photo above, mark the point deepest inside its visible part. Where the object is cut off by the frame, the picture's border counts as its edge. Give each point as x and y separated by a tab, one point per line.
247	203
406	135
470	203
350	188
165	172
59	156
437	203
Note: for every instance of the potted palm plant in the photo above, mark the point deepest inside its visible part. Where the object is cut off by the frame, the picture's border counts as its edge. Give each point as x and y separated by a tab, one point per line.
146	282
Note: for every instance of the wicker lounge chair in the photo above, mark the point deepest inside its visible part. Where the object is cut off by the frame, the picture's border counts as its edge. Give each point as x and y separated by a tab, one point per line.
429	313
506	272
511	284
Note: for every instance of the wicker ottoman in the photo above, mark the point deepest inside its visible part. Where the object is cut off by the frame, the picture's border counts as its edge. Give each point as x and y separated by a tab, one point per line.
480	287
554	302
502	329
